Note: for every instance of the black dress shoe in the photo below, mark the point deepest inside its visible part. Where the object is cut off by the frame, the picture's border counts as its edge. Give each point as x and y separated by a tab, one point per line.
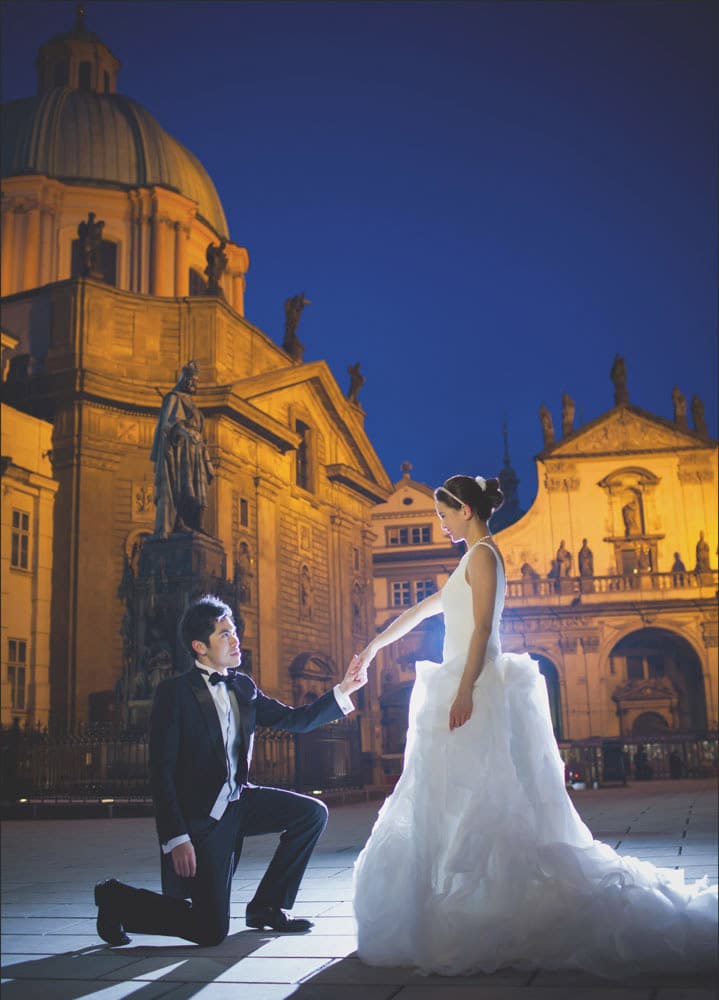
276	919
109	925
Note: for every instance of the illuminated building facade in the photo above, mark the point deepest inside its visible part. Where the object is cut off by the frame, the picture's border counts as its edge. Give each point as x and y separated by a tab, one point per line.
612	579
296	476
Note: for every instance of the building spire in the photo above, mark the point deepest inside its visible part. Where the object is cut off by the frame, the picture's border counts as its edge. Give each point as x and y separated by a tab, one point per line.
79	18
510	511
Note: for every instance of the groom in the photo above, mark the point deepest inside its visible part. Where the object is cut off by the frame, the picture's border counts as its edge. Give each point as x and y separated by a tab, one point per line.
201	735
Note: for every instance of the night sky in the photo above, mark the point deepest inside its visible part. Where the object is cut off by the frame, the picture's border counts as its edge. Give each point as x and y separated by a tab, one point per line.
484	202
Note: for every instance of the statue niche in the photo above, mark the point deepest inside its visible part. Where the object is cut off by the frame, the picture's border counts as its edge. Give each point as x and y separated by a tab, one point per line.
631	512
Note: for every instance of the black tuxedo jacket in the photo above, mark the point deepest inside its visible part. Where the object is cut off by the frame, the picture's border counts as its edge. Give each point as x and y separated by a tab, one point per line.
188	766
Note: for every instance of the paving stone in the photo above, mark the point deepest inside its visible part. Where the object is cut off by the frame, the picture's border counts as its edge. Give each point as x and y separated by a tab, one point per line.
68	989
311	945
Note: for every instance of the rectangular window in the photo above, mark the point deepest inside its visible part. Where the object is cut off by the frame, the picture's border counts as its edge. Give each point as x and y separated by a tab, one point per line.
16	672
84	76
420	534
244	514
425	588
20	539
401	594
302	457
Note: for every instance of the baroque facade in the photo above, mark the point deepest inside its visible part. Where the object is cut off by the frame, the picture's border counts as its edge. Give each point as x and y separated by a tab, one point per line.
611	575
295	474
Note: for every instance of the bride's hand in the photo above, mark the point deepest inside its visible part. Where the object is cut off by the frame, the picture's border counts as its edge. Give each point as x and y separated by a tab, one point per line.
366	656
461	710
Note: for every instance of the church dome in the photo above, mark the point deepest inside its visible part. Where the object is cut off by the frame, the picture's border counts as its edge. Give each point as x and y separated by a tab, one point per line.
81	136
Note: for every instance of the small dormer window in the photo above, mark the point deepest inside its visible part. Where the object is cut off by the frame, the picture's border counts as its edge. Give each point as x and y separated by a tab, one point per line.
84	76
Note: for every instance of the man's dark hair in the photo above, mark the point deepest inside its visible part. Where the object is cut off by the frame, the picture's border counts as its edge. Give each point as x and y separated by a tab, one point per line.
198	622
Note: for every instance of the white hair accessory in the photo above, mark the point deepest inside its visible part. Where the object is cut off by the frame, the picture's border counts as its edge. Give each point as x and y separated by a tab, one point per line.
481	482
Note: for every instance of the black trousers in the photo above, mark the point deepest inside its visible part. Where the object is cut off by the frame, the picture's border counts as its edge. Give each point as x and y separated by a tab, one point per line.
205	919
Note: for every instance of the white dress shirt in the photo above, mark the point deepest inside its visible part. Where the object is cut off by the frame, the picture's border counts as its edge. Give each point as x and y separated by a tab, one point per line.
229	724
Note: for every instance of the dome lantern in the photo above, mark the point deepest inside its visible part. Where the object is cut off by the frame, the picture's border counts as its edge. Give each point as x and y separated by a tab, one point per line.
78	60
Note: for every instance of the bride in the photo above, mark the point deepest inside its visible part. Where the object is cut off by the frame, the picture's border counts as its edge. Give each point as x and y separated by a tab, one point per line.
478	860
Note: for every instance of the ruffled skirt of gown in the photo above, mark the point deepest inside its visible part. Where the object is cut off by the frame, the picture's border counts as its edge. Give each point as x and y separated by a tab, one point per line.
478	860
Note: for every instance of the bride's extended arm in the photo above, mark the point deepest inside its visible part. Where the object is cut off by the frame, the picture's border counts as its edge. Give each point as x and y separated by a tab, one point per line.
431	605
482	576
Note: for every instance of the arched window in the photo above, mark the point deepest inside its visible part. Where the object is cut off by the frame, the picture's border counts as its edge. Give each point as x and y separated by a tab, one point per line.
61	74
84	78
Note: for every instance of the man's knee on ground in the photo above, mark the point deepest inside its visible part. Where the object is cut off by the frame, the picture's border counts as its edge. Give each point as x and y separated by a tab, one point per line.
213	932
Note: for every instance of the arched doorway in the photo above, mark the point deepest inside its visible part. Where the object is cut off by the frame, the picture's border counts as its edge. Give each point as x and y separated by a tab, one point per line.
660	677
551	675
649	724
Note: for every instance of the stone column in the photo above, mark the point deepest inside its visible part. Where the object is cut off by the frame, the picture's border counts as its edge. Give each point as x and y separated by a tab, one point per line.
46	248
31	254
238	293
162	253
144	223
9	252
267	673
182	279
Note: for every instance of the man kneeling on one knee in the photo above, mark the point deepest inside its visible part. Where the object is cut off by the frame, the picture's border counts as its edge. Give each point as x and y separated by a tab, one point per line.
201	735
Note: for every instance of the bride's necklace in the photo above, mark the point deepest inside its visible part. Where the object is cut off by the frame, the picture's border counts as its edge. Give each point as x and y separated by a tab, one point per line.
482	539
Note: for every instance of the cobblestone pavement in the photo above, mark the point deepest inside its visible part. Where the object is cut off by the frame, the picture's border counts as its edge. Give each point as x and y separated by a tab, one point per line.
51	952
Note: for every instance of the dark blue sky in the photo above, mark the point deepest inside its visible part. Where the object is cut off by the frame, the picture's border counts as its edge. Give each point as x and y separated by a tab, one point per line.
483	201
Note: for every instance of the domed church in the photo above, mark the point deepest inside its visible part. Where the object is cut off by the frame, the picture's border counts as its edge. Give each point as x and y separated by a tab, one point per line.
119	280
80	141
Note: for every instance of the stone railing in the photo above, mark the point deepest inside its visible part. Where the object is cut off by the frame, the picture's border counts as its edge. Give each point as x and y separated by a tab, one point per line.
537	589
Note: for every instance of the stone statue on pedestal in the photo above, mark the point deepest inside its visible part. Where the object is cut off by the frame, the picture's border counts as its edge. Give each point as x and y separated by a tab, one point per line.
216	266
183	470
89	234
680	408
630	516
702	554
618	375
567	415
547	426
293	310
700	424
357	380
564	560
585	558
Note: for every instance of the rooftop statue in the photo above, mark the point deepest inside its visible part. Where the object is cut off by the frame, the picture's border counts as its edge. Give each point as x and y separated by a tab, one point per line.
547	426
618	375
680	408
700	423
567	415
183	470
293	310
357	380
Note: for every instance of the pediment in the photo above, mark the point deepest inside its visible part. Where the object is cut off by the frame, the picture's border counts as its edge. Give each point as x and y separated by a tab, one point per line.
314	386
627	430
650	689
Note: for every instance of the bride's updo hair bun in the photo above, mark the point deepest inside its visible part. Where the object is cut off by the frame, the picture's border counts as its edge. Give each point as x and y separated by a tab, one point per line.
482	496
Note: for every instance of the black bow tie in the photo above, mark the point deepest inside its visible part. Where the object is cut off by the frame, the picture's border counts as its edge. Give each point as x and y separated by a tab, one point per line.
218	678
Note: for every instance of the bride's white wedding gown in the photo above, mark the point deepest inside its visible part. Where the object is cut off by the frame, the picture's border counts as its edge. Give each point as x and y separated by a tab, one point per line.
479	860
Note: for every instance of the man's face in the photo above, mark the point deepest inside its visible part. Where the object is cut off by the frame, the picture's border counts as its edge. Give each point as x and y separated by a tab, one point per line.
223	648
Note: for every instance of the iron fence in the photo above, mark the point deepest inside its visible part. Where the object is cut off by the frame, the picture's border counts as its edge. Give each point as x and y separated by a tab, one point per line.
605	761
101	763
